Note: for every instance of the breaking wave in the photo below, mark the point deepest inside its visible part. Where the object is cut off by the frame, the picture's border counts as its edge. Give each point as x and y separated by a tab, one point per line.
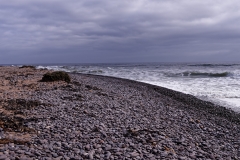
200	74
87	71
213	65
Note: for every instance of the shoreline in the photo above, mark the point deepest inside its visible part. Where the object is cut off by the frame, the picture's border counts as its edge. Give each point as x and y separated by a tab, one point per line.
101	117
191	101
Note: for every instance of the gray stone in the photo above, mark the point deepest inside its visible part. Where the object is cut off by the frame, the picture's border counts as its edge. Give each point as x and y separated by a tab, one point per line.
3	157
55	155
91	153
87	147
108	154
134	154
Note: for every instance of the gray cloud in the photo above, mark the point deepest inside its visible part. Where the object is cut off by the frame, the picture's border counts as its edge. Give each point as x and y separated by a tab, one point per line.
61	31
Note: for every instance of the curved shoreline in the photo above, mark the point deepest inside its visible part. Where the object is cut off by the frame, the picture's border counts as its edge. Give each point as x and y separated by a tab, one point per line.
191	101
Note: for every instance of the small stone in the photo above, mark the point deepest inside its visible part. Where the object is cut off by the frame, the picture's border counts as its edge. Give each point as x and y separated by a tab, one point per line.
134	154
3	157
55	155
199	156
193	156
96	146
2	149
155	151
20	151
37	154
108	154
43	141
25	158
164	154
182	158
87	147
28	153
76	150
91	153
150	155
118	153
58	143
108	147
97	156
66	157
58	158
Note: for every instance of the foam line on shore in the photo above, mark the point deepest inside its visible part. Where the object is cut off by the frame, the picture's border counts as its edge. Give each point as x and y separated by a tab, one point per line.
191	101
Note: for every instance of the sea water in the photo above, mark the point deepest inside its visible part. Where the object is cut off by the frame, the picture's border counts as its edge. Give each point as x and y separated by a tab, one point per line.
218	83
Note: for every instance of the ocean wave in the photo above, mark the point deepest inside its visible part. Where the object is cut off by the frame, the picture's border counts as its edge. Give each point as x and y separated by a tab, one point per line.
213	65
235	97
87	71
199	74
95	71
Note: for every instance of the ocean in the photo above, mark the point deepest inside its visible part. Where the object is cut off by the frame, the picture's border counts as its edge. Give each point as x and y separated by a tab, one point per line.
217	83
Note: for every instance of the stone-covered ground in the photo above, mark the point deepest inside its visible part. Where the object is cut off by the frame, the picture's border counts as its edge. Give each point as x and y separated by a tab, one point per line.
96	117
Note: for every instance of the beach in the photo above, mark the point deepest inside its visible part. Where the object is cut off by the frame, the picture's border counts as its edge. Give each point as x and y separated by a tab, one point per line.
218	83
100	117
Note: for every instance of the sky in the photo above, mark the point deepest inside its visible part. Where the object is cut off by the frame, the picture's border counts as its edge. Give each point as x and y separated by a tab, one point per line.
110	31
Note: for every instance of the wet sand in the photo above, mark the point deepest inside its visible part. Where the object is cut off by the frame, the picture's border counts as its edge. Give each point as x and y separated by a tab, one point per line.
97	117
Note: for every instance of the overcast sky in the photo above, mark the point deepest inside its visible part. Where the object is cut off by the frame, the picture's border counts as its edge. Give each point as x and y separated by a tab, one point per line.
87	31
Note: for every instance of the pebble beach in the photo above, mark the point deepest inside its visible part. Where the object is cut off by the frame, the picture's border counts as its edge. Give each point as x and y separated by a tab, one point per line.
100	117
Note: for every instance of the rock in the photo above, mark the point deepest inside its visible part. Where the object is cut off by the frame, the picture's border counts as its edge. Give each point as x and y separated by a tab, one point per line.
108	147
58	158
134	154
56	76
28	66
2	148
108	154
87	147
91	153
3	157
182	158
55	155
37	154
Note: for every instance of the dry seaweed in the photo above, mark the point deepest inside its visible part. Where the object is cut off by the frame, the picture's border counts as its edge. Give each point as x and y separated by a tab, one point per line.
7	140
19	104
15	124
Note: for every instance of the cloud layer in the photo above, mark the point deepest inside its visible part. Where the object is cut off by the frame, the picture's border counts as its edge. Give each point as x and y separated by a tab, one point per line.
59	31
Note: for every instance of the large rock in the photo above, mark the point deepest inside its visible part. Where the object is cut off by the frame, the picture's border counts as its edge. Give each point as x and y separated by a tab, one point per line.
56	76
